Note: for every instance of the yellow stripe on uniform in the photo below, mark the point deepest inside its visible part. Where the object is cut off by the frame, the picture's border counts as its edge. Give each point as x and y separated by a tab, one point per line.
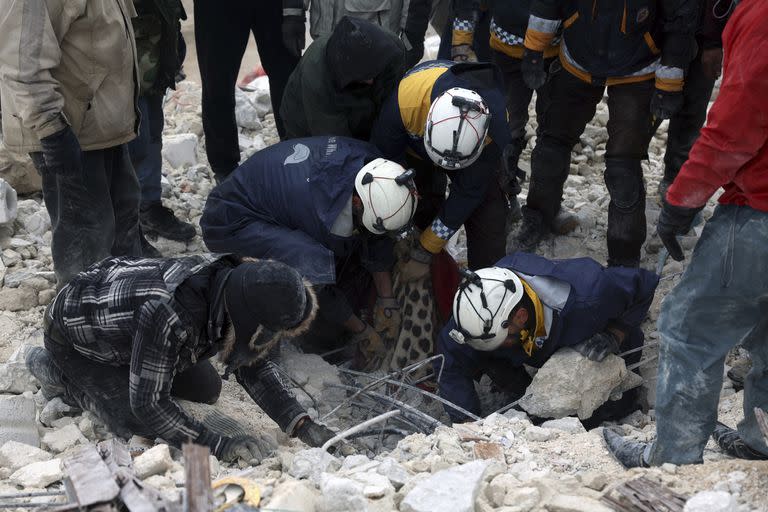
414	97
461	37
516	51
538	41
431	242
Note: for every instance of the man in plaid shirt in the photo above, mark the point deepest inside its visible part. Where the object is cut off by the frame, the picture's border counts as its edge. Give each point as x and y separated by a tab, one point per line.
126	336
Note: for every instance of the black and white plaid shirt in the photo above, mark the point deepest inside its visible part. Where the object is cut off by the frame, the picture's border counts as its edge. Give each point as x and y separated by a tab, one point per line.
122	311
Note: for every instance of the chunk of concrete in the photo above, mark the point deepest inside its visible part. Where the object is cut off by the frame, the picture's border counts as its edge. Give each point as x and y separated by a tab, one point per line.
246	113
15	455
572	503
180	150
15	378
711	501
294	496
539	434
155	461
341	495
18	420
19	172
569	383
394	471
310	464
17	299
38	474
64	438
452	489
8	203
568	424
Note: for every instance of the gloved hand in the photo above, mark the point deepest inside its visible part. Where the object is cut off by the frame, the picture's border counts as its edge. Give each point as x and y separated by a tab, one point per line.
294	34
370	347
533	69
248	448
674	221
598	346
463	53
386	317
62	153
417	265
712	62
665	104
313	434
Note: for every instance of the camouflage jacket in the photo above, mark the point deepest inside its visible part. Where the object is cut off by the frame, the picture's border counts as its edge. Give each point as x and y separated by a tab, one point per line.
157	29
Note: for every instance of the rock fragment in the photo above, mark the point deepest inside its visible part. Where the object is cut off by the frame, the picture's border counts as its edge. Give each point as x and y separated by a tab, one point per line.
568	424
572	503
64	438
453	489
18	420
15	455
294	496
310	464
180	150
155	461
711	501
38	474
341	495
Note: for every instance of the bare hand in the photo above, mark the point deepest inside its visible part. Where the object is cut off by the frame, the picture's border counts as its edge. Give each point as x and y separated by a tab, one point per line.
712	62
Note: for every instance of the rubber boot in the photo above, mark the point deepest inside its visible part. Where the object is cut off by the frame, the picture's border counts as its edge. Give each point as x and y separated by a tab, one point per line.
159	220
730	442
532	231
629	453
40	364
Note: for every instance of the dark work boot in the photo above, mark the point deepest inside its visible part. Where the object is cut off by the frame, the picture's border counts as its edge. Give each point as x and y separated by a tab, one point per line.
40	364
629	453
159	220
532	231
731	443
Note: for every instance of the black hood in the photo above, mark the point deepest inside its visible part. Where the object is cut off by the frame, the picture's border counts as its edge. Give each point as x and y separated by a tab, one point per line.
359	50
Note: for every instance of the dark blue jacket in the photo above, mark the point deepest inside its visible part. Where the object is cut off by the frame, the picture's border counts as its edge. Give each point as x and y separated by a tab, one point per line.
617	295
402	120
282	203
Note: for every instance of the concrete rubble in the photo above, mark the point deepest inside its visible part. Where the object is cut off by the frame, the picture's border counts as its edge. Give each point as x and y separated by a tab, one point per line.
503	463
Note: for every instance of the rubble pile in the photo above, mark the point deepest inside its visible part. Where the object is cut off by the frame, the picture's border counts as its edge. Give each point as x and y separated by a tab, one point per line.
502	463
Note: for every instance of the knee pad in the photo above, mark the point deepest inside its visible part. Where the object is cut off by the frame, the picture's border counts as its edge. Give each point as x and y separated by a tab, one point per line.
624	181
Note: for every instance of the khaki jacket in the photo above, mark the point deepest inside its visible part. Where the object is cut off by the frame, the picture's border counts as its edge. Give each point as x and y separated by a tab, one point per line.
67	61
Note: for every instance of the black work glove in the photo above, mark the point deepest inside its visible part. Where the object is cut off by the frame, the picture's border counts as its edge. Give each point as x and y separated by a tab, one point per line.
533	69
62	153
313	434
294	34
598	346
665	104
248	448
674	221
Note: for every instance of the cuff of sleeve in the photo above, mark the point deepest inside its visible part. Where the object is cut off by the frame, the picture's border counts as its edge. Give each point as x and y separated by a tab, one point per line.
538	41
460	37
292	11
431	242
289	429
55	125
669	79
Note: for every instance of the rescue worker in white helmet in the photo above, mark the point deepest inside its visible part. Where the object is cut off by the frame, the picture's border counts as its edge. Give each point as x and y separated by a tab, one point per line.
329	207
448	120
526	307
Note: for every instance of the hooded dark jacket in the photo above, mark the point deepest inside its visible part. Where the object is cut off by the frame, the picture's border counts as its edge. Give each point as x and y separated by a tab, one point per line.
323	95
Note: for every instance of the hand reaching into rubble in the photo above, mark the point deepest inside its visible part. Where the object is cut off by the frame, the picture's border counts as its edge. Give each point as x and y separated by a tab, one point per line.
313	434
599	346
416	267
387	317
371	348
247	448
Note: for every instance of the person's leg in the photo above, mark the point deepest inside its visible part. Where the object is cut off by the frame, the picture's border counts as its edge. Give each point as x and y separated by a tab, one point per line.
278	62
200	383
684	126
712	309
486	229
221	35
518	98
125	194
82	216
630	128
145	150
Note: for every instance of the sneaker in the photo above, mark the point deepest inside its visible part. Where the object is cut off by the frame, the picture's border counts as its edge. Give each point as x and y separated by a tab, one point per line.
732	444
159	220
532	231
40	364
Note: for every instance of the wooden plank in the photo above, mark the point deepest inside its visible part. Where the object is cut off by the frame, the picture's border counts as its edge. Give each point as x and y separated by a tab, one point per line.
644	495
135	499
197	471
88	479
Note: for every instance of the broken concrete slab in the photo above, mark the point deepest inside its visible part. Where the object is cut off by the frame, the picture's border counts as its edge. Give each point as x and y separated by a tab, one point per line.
63	439
155	461
294	496
18	420
569	383
15	455
38	474
711	501
180	150
341	495
310	464
568	424
452	489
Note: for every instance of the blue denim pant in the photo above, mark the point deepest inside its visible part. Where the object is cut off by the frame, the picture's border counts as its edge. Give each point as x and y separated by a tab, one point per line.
146	148
722	300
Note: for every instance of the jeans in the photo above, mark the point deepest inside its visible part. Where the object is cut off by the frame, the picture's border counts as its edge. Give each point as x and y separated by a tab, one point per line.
721	301
146	149
95	214
568	106
221	35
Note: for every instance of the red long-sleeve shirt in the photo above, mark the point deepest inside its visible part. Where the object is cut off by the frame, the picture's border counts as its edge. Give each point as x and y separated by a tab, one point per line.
732	151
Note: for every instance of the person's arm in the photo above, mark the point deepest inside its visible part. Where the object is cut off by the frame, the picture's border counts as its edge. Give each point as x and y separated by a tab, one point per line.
627	293
465	16
388	133
543	24
413	26
736	129
159	335
29	50
466	192
456	382
678	20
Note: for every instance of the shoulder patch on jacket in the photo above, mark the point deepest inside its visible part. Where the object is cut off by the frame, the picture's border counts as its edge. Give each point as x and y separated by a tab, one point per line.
300	153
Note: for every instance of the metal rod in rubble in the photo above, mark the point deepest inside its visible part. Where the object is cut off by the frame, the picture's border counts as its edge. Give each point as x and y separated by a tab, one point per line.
359	427
402	419
643	362
638	349
419	390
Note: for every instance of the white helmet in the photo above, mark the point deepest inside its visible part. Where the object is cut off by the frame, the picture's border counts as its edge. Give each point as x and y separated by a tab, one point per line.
457	124
388	196
482	306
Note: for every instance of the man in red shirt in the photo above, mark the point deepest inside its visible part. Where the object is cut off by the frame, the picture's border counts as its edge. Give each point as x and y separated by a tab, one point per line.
722	298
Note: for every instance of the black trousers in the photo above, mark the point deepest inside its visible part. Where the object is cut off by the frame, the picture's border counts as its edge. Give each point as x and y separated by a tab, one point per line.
485	227
222	30
685	125
567	108
94	214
